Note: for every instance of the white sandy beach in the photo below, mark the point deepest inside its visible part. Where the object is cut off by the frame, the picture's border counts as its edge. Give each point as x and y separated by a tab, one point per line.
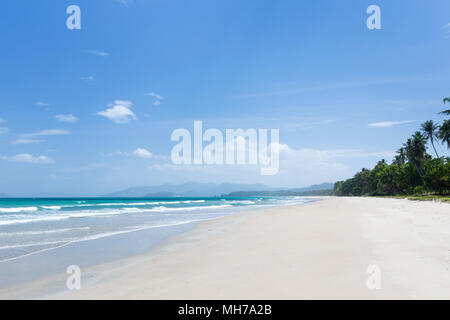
317	251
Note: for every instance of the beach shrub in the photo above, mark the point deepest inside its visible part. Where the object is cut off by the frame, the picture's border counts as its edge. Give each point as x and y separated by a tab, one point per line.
419	190
437	175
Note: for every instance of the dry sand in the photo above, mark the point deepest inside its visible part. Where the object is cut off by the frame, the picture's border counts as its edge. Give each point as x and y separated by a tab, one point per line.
316	251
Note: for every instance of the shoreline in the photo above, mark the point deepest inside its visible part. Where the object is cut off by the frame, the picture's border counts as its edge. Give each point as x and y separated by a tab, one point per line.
320	250
49	265
104	234
176	236
87	252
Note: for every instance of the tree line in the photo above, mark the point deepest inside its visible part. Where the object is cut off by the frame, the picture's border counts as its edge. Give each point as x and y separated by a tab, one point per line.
412	171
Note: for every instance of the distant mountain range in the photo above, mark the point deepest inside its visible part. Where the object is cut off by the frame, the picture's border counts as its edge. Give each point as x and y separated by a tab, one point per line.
188	189
324	189
196	189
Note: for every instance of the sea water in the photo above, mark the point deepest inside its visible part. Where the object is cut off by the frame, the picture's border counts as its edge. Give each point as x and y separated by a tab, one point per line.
30	226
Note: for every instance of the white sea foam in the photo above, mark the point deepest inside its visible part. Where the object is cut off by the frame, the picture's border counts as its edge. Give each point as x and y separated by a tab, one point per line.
122	204
32	233
24	238
145	227
34	219
65	242
26	245
165	209
95	213
240	201
18	209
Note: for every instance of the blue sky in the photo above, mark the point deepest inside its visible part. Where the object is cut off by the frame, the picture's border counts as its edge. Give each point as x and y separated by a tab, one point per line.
309	68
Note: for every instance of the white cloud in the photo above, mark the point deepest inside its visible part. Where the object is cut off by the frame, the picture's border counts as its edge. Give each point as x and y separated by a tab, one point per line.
309	166
298	167
88	78
386	124
66	118
112	154
43	104
27	141
2	120
139	152
338	86
142	153
28	158
124	2
119	112
125	103
98	53
326	155
155	95
49	132
446	27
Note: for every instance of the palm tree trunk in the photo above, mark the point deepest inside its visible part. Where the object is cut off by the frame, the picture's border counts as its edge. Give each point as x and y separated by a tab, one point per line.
432	143
419	170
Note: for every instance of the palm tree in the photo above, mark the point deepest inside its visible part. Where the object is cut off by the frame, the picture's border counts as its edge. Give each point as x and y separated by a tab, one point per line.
416	151
429	129
444	133
400	158
447	112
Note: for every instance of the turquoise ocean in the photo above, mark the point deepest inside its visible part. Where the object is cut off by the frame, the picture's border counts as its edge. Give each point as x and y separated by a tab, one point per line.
29	226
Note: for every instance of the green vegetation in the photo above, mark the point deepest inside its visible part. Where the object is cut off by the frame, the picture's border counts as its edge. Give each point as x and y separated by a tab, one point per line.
413	173
447	112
